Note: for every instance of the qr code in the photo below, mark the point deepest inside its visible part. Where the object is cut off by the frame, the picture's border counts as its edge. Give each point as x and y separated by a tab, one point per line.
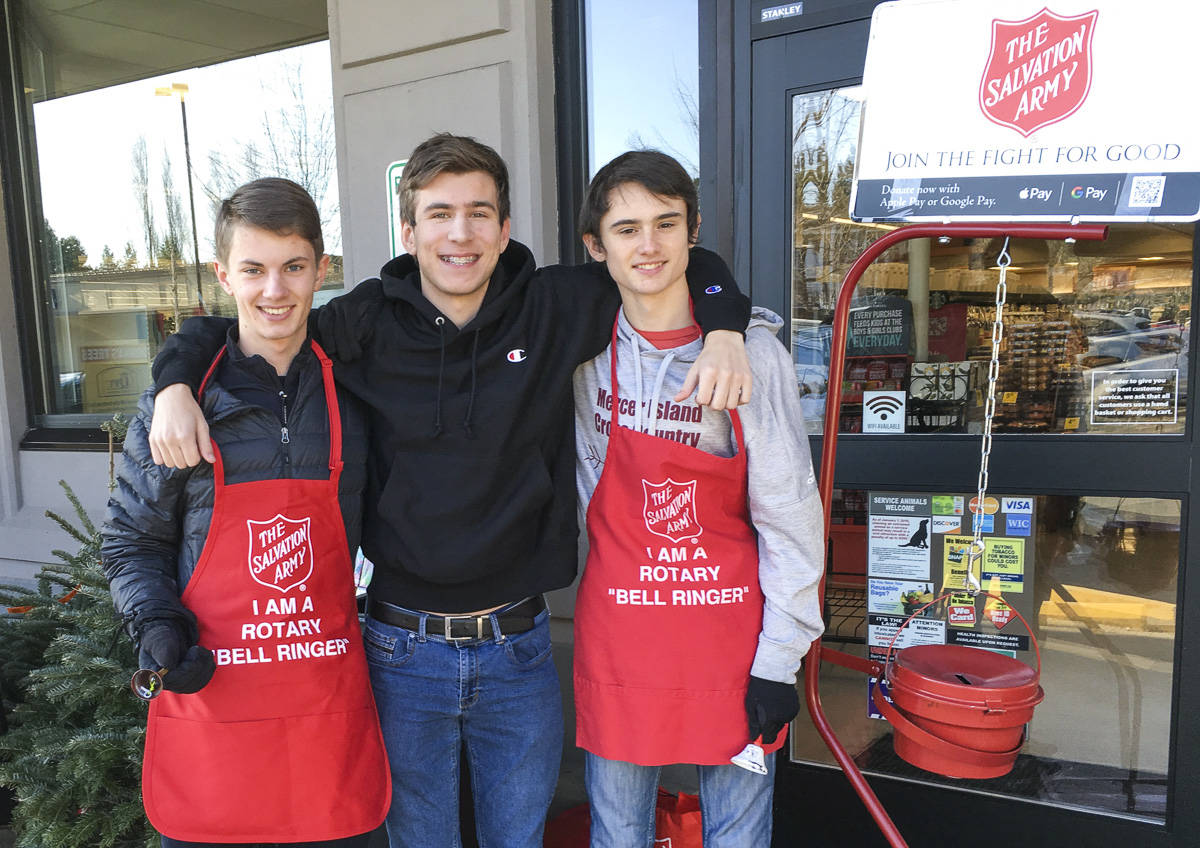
1146	192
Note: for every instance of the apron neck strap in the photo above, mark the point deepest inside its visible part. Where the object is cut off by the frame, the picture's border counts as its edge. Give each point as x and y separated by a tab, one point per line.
331	406
739	438
218	463
212	369
612	365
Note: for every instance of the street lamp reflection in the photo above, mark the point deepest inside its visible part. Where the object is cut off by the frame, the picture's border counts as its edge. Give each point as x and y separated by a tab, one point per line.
181	89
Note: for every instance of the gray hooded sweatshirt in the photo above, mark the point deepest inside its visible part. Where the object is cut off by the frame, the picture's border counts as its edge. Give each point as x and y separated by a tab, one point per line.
783	502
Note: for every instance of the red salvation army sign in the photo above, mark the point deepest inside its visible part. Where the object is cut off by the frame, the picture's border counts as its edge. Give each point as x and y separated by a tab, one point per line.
1027	92
1028	109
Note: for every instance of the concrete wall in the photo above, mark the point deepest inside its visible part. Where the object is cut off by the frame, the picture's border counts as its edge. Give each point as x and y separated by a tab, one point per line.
402	71
27	536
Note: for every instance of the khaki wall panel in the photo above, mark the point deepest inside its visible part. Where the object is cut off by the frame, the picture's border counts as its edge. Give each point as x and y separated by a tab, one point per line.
398	28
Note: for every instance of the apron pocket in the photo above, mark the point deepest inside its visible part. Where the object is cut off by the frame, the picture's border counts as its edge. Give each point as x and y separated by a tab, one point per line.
294	779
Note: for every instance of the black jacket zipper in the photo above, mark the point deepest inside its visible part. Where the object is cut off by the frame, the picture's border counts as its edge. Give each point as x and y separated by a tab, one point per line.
285	438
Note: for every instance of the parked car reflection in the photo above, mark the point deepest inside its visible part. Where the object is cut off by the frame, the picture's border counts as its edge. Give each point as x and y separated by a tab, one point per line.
1114	338
811	344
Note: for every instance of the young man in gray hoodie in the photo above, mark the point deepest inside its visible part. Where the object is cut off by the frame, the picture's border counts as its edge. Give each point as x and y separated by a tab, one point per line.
699	598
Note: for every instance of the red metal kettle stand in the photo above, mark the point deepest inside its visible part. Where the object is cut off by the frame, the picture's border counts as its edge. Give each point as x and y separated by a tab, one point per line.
833	402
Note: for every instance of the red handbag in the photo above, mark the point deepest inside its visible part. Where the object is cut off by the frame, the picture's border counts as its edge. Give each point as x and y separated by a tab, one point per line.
677	824
569	829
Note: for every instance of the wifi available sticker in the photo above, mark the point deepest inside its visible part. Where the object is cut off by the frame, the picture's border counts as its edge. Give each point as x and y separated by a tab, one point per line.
883	412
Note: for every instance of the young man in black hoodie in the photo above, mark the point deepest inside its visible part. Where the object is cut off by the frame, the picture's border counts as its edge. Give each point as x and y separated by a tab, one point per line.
463	350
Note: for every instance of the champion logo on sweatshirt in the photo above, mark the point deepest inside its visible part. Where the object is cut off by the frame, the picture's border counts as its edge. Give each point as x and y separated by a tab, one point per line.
712	290
517	354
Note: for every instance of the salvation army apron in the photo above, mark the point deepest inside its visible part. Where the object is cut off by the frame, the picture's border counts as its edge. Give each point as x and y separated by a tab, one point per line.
669	610
283	744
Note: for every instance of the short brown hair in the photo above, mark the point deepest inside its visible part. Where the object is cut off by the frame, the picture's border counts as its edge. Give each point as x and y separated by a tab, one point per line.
658	173
450	154
274	204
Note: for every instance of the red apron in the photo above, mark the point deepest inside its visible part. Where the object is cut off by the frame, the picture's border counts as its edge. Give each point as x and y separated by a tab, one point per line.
283	745
669	609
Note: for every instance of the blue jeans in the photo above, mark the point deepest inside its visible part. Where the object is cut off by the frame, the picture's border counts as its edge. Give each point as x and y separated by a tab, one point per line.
735	804
499	699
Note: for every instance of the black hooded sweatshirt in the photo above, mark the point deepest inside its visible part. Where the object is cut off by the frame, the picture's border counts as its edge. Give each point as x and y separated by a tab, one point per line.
470	498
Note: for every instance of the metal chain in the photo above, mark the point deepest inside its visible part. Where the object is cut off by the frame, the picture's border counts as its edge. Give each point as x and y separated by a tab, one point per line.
989	412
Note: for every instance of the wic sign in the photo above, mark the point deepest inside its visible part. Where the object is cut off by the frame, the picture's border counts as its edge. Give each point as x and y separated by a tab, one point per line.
1039	109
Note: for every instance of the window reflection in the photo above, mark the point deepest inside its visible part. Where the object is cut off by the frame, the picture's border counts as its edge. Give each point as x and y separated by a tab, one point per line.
1096	336
643	79
1104	587
122	220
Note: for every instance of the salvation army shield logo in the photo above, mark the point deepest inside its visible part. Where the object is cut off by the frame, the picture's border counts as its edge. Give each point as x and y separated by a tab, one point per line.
281	554
669	509
1039	70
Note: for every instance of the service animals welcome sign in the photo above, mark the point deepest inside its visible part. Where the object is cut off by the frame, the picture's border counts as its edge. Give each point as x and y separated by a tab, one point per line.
1045	110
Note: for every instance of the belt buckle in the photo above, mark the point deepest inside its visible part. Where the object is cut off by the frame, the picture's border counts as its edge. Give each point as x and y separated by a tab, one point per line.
448	625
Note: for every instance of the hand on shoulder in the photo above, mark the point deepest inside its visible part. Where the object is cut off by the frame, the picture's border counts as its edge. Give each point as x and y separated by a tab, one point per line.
178	431
721	375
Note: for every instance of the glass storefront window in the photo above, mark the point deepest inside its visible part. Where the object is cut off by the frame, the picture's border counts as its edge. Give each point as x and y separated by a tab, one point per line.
1097	333
127	150
643	80
1098	584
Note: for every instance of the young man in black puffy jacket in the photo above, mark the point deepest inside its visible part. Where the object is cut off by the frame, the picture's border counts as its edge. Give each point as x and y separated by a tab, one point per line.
278	561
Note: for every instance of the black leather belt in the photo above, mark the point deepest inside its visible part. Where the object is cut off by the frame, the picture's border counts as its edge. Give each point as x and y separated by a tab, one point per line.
515	619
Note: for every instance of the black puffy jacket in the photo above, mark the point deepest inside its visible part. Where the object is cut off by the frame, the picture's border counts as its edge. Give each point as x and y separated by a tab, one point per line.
158	518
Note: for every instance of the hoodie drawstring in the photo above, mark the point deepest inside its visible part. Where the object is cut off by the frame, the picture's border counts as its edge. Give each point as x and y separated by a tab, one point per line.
635	343
471	400
658	384
440	321
653	408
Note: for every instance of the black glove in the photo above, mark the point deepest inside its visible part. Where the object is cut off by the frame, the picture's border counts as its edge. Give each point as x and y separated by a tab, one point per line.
161	644
193	673
770	705
164	644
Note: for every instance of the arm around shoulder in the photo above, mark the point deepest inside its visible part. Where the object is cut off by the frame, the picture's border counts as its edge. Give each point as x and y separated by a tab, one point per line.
178	436
721	375
345	326
717	301
186	355
585	301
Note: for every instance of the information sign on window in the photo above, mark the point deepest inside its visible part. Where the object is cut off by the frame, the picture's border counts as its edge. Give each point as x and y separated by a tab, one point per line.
919	563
